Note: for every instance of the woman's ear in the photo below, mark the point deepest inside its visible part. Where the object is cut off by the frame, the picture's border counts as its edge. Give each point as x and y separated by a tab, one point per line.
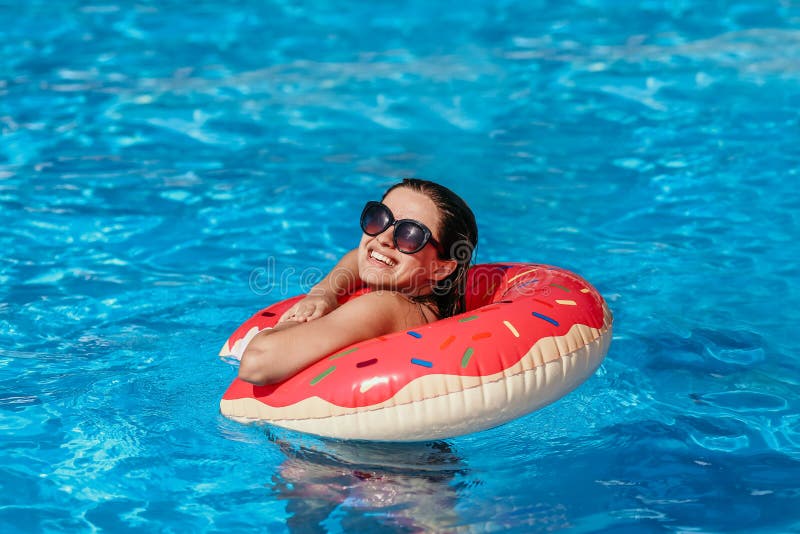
443	269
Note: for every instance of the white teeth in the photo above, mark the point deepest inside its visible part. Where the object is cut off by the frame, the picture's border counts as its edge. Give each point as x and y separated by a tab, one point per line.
382	258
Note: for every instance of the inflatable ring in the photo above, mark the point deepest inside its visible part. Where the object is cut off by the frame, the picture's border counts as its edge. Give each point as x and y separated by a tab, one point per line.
532	334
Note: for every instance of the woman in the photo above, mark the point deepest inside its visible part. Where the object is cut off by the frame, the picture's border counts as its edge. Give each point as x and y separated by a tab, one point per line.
414	255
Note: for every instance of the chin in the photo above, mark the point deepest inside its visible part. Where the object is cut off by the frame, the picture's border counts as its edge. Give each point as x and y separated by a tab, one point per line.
395	278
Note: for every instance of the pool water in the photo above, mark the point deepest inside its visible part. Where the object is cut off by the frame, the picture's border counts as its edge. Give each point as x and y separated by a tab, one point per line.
167	168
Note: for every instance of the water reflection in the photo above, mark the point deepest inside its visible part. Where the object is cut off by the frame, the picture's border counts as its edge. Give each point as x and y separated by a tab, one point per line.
403	487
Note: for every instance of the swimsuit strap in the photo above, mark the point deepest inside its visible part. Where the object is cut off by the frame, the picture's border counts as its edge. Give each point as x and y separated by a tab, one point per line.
420	309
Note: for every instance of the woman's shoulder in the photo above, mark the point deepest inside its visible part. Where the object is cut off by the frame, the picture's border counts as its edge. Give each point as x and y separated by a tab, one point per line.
384	297
405	311
382	302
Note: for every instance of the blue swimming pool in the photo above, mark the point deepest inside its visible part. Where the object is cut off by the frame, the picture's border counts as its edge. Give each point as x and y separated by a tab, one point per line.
154	155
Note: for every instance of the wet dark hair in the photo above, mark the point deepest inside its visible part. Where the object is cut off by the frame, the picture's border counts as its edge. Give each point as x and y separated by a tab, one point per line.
458	235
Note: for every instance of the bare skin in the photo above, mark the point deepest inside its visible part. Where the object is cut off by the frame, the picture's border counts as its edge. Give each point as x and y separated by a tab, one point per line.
323	297
317	325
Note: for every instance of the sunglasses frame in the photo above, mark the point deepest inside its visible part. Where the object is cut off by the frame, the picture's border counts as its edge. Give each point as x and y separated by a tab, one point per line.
394	222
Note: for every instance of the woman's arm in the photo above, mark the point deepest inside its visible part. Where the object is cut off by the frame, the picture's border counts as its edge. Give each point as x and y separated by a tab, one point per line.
280	354
323	297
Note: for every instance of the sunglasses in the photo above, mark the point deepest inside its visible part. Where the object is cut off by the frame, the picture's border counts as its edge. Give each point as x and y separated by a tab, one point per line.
410	236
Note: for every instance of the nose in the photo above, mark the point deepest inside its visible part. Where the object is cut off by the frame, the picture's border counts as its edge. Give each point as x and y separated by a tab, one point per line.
386	238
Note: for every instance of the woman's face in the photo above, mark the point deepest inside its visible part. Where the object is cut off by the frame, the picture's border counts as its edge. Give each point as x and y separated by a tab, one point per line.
380	264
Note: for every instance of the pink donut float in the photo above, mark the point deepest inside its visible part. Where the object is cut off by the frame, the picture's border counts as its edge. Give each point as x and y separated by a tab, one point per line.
532	334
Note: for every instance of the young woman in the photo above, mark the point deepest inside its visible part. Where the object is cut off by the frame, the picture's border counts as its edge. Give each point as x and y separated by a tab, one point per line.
414	254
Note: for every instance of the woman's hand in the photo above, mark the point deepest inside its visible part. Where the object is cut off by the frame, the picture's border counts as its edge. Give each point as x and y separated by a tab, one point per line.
310	308
265	360
321	300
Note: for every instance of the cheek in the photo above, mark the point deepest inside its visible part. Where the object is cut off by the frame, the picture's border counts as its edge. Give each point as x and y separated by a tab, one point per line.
414	267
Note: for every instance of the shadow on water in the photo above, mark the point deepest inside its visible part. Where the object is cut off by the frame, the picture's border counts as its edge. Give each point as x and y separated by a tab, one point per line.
405	487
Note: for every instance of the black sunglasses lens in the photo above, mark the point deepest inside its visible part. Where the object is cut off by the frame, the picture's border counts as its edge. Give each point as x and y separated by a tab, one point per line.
409	237
375	219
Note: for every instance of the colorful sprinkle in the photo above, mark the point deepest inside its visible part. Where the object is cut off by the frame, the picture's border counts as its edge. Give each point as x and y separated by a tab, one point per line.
559	286
566	302
490	290
511	327
468	319
482	335
343	353
268	314
323	374
423	363
584	290
414	334
446	342
540	301
522	274
545	318
467	355
366	363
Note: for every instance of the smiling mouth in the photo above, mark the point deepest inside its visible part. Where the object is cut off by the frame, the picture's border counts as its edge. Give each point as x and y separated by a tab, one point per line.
381	258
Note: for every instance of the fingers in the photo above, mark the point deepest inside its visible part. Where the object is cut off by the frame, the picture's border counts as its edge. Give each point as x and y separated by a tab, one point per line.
304	311
298	313
290	314
306	314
